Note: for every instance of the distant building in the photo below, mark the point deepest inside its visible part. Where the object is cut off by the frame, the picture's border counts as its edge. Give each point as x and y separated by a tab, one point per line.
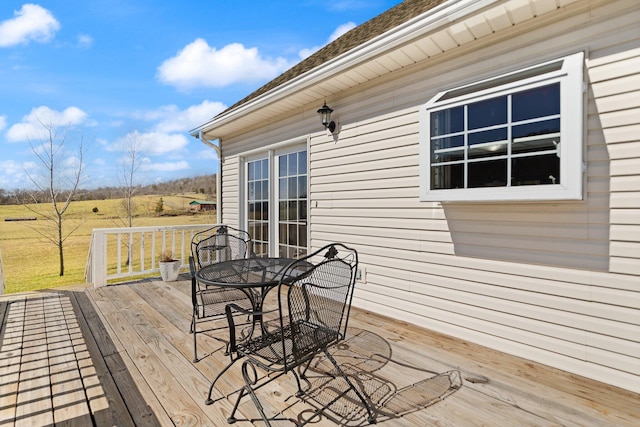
202	205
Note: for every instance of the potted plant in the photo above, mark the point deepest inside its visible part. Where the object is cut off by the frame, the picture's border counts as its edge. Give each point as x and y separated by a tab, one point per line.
169	267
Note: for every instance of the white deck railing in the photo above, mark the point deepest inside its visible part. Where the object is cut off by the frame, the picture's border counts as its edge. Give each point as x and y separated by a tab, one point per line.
119	253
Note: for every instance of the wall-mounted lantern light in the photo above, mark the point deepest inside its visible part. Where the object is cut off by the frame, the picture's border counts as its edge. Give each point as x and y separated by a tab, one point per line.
325	116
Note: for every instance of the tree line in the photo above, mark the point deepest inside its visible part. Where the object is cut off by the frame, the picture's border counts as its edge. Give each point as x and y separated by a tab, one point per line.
204	184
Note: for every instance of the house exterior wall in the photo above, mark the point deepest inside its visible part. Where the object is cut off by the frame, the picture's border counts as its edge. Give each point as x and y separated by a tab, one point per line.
555	282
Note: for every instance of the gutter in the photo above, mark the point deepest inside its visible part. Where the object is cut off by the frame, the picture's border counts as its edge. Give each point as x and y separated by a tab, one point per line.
216	148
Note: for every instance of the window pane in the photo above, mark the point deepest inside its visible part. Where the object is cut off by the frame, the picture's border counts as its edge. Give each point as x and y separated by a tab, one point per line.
448	142
537	102
252	171
488	136
258	169
252	191
283	188
448	156
449	176
293	211
292	160
265	211
293	235
283	211
538	128
533	145
293	188
302	162
302	210
265	190
302	187
257	232
492	173
302	230
488	113
257	191
283	233
282	168
492	150
447	121
536	170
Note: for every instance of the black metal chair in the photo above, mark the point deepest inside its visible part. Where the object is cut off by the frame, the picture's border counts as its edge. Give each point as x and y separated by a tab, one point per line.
220	244
313	312
210	246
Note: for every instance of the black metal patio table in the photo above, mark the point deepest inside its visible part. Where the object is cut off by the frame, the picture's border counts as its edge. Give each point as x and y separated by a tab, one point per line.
254	275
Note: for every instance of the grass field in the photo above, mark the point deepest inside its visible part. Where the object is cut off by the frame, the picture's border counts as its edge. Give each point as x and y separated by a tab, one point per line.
30	261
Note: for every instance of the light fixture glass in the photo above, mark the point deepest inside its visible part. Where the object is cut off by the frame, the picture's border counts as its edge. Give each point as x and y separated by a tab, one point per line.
325	117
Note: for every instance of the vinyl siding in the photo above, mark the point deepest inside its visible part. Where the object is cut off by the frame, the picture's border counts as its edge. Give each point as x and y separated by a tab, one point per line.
555	282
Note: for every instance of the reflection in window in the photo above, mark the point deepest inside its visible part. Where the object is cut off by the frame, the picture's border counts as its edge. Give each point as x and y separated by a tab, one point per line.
292	204
471	144
258	205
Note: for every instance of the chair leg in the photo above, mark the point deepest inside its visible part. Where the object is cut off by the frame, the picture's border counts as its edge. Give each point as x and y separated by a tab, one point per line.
246	389
209	400
370	417
195	344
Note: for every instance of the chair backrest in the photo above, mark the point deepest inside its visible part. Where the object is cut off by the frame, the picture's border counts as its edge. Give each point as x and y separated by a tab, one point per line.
316	305
220	244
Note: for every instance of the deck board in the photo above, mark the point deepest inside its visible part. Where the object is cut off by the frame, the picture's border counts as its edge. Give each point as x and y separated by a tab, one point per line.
122	355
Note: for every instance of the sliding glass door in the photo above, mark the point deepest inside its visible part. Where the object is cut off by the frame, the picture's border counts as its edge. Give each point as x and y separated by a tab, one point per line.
277	203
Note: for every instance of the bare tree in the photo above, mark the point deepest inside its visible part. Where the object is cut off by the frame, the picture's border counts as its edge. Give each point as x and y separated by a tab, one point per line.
57	184
130	162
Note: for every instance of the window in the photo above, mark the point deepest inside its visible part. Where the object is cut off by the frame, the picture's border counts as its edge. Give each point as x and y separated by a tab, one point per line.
258	205
292	205
514	137
276	202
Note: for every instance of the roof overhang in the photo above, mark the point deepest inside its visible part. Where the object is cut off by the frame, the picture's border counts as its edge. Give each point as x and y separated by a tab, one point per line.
448	26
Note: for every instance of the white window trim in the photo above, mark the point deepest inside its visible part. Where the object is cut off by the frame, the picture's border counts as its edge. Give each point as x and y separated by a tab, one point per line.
571	78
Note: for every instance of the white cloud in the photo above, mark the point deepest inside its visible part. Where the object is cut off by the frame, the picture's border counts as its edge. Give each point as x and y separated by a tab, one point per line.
32	22
152	143
13	173
172	119
199	64
85	41
3	122
165	167
33	125
342	29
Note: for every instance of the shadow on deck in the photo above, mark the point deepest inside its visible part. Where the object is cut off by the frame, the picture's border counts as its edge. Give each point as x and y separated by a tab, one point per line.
121	355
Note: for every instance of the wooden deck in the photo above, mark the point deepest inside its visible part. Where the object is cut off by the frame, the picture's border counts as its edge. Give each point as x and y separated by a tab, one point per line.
122	355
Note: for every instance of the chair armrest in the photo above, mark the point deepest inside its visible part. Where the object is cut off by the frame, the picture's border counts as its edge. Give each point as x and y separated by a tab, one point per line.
230	309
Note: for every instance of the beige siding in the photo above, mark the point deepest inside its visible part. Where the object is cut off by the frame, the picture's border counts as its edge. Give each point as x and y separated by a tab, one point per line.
230	191
558	282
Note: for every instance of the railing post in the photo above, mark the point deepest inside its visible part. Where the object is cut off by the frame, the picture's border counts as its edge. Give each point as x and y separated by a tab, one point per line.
99	259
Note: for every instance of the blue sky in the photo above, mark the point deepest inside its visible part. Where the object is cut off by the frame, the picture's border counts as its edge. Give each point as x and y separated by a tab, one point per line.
117	72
